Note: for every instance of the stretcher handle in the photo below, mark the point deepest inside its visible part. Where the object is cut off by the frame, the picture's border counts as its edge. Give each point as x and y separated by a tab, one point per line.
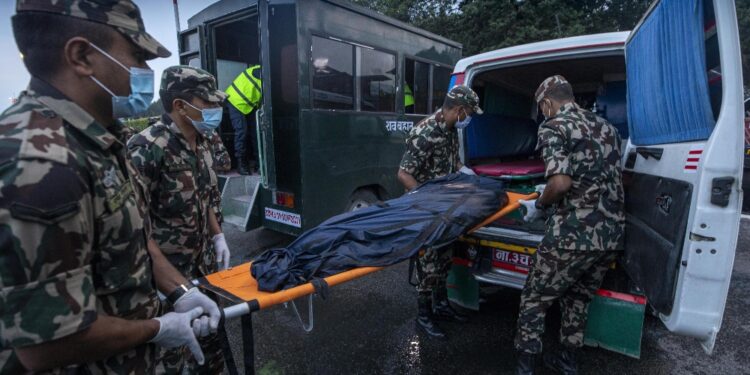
512	206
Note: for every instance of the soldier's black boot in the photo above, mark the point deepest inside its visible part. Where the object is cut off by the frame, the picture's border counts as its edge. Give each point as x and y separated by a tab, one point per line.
526	362
242	168
424	320
563	362
442	309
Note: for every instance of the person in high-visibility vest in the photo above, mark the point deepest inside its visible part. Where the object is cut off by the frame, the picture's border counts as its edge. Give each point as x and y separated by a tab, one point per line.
244	98
408	99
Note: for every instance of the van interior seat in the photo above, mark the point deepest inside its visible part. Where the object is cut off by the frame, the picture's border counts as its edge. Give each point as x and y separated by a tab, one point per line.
503	146
511	168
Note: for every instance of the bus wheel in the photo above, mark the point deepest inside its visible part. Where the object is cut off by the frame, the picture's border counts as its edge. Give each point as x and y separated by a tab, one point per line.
361	198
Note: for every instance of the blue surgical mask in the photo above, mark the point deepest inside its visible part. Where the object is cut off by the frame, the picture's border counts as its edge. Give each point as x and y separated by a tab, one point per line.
141	90
463	124
211	119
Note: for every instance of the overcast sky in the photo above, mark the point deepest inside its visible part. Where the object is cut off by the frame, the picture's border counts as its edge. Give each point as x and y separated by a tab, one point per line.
158	15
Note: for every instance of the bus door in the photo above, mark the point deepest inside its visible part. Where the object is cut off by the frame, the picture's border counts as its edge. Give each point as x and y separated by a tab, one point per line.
267	162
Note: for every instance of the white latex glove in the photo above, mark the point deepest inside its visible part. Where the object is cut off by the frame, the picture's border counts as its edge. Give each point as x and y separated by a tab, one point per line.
175	330
222	251
540	188
467	170
194	298
532	213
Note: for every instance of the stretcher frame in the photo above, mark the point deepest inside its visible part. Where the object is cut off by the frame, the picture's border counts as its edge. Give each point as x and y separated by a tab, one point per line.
240	288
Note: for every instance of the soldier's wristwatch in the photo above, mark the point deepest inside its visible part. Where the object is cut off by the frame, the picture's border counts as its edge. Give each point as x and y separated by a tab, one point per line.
179	292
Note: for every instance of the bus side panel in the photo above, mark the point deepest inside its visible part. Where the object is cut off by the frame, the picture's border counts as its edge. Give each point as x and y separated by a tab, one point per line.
344	151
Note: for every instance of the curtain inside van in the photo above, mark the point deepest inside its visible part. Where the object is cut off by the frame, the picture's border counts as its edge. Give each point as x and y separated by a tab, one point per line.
668	98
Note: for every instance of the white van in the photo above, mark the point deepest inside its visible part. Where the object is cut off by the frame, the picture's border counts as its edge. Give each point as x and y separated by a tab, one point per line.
673	88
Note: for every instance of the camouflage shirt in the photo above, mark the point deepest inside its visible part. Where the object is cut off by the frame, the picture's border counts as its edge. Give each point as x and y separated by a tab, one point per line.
72	238
431	149
585	147
181	186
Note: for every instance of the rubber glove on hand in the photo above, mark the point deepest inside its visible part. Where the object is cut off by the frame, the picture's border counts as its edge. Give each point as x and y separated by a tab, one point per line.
532	213
467	170
222	250
194	298
175	330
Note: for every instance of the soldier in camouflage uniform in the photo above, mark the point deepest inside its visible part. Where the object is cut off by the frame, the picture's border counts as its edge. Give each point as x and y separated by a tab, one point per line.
175	163
77	292
581	153
432	152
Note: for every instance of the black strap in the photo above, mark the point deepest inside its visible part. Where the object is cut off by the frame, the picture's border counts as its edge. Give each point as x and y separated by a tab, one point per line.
321	287
225	347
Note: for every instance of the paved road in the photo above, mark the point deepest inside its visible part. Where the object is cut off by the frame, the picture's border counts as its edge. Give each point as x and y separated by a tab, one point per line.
366	327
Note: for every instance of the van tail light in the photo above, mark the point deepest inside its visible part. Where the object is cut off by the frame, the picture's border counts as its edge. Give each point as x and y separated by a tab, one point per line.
283	199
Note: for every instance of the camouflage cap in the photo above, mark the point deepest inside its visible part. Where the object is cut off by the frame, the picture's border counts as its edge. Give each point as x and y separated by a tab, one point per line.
190	80
123	15
465	96
549	84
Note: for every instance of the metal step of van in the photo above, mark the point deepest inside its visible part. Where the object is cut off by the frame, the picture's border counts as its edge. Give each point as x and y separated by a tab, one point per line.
238	198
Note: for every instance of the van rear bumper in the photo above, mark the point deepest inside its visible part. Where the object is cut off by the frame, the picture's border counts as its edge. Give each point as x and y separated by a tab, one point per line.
480	247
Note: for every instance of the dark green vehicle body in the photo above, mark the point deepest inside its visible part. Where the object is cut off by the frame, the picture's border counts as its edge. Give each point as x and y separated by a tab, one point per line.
318	144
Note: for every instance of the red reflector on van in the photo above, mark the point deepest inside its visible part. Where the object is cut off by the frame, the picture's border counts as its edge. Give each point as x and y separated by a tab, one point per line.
283	199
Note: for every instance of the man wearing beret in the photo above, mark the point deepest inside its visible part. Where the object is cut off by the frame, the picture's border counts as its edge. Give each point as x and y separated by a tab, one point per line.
432	152
585	232
175	163
77	291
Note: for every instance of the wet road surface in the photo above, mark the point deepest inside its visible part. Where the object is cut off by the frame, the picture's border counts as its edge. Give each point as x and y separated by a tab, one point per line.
367	327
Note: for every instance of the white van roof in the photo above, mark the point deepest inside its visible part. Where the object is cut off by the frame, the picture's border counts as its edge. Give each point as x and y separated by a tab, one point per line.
615	39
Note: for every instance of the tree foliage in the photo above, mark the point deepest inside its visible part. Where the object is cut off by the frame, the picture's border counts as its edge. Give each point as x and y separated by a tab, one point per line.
485	25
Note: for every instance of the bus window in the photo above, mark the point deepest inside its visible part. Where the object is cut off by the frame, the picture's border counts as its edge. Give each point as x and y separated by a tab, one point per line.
333	84
377	81
441	78
416	79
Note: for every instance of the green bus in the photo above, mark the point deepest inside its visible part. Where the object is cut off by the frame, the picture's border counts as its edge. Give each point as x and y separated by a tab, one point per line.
332	124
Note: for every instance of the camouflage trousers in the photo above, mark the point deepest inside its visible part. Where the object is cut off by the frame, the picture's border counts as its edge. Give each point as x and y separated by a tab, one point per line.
177	360
432	268
570	276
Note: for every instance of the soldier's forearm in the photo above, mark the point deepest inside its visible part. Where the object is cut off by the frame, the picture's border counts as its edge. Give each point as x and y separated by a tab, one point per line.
107	336
166	276
213	223
407	180
557	186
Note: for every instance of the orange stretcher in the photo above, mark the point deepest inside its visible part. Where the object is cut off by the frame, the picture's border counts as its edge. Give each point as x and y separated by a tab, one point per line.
238	286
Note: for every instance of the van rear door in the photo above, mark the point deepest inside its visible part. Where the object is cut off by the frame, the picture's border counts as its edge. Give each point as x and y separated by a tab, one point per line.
683	161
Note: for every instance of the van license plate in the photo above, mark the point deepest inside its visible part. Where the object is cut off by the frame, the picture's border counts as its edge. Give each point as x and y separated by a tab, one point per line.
513	258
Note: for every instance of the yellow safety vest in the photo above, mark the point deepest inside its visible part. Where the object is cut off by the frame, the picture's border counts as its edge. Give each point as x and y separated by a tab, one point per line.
408	96
245	91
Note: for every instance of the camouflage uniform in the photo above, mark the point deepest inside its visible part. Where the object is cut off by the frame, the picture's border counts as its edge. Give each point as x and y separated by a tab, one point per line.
222	164
181	188
587	228
432	152
65	186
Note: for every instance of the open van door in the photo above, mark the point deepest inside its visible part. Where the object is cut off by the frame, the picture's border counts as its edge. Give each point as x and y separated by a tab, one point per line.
683	161
192	47
267	162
